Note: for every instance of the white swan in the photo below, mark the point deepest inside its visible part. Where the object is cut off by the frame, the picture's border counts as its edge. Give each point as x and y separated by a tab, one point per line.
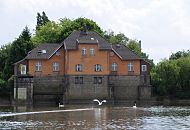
61	105
135	106
99	103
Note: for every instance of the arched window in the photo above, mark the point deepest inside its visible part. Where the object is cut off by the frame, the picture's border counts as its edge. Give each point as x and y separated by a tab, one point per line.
38	66
56	66
130	66
91	51
22	69
83	51
78	67
114	66
144	68
98	67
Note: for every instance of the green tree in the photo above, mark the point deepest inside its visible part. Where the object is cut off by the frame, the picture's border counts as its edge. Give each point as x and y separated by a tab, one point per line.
41	20
48	33
53	32
171	77
116	38
179	54
18	50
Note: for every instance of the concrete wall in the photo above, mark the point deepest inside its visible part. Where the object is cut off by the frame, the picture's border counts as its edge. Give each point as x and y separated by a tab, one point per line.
55	89
88	90
125	87
48	89
23	89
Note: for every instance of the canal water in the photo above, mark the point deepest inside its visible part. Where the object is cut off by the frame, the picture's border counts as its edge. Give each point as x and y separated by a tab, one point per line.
76	117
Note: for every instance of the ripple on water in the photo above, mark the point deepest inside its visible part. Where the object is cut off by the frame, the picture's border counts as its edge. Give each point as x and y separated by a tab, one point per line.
153	118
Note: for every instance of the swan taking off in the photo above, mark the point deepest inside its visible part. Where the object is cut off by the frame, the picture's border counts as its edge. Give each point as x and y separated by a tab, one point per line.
99	103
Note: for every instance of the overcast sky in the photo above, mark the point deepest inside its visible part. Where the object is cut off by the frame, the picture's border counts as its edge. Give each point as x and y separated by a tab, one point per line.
163	26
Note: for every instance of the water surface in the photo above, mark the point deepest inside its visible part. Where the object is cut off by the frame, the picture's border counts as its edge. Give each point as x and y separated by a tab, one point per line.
96	118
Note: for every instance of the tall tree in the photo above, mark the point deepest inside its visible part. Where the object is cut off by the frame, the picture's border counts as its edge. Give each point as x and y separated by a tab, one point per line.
179	54
18	50
53	32
41	20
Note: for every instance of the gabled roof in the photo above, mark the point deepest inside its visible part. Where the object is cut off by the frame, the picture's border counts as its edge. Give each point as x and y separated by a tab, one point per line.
76	37
124	52
50	50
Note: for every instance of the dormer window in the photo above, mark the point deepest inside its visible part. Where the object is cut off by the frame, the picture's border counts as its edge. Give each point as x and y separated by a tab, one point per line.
91	51
41	51
83	51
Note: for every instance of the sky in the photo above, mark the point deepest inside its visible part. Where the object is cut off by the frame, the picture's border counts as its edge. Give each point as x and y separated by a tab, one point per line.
163	26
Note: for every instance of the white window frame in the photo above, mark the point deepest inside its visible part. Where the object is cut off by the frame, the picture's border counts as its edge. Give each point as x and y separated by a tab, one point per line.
92	51
130	66
38	66
84	51
98	68
56	66
114	66
23	69
144	68
78	67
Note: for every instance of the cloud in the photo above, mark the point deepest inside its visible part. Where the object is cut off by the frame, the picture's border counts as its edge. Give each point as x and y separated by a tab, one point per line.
162	25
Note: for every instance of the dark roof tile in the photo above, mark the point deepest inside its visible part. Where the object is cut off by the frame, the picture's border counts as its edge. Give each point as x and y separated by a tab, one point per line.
71	42
124	52
50	49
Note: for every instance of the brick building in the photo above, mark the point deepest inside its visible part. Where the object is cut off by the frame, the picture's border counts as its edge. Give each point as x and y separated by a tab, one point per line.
83	67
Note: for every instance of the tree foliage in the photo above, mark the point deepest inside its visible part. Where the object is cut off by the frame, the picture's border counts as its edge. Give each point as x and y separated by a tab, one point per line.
41	20
172	77
56	32
133	44
11	53
179	54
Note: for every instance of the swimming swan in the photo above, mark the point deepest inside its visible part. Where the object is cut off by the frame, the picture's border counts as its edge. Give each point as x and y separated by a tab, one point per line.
61	105
99	103
135	106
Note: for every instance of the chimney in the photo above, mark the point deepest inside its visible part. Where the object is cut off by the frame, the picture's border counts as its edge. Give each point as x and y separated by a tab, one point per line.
140	44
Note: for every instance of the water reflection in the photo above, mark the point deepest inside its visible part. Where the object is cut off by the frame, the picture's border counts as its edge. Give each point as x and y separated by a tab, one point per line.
99	118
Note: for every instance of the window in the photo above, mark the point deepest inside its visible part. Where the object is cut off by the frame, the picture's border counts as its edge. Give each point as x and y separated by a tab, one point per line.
114	67
91	51
56	66
78	80
130	66
58	53
23	69
78	67
144	68
98	67
83	51
97	80
38	66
